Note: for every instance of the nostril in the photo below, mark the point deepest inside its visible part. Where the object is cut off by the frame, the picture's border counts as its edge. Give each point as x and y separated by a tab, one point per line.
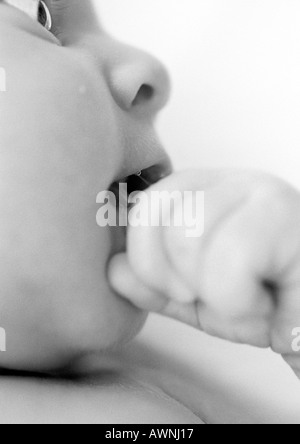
144	95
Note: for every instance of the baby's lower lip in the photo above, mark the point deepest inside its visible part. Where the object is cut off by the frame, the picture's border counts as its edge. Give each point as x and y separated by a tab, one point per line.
119	232
118	240
122	190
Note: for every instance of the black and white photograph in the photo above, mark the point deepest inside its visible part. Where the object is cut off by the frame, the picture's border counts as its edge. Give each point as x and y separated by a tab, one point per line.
149	215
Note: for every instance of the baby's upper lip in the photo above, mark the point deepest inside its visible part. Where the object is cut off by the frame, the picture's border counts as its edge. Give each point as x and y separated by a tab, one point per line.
152	161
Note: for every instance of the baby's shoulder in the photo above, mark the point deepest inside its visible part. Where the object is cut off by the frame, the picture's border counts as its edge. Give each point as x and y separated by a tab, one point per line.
134	402
105	398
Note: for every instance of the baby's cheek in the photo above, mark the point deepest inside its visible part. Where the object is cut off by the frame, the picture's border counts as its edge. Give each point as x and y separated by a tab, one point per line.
56	160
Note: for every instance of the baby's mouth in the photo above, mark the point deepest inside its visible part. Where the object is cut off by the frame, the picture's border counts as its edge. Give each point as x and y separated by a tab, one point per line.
122	189
140	181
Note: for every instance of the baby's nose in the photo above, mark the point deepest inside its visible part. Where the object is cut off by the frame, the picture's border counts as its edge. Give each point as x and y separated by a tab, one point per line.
139	82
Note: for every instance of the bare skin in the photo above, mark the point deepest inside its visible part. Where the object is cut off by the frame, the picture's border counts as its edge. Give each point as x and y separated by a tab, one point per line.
239	281
74	119
169	374
67	132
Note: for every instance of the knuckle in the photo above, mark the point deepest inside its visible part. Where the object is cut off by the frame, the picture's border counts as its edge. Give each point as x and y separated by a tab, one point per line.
277	200
275	189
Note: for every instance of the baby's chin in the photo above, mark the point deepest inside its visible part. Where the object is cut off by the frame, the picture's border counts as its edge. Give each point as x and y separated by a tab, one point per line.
62	319
115	323
59	352
127	322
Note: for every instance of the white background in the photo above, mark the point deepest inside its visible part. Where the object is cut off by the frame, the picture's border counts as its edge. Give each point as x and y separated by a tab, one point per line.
235	66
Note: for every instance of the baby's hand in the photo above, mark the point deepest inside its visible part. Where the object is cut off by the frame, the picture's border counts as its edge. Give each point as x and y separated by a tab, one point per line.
240	281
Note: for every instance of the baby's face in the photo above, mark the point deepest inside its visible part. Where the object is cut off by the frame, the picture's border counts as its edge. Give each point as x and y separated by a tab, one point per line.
77	116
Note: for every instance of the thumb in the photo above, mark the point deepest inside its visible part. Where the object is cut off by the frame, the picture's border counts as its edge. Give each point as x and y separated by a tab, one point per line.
124	282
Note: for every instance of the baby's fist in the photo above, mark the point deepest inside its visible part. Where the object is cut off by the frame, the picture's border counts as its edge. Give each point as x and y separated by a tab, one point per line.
241	279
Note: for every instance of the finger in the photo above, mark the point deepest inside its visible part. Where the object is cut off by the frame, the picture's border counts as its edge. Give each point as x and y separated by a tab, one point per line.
164	257
236	305
148	258
186	254
247	252
124	282
285	338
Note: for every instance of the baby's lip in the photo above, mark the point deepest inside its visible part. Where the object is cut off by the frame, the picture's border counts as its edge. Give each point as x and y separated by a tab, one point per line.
136	182
141	180
146	164
143	154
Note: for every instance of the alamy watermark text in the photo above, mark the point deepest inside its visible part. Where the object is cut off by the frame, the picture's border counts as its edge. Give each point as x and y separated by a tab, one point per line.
153	208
